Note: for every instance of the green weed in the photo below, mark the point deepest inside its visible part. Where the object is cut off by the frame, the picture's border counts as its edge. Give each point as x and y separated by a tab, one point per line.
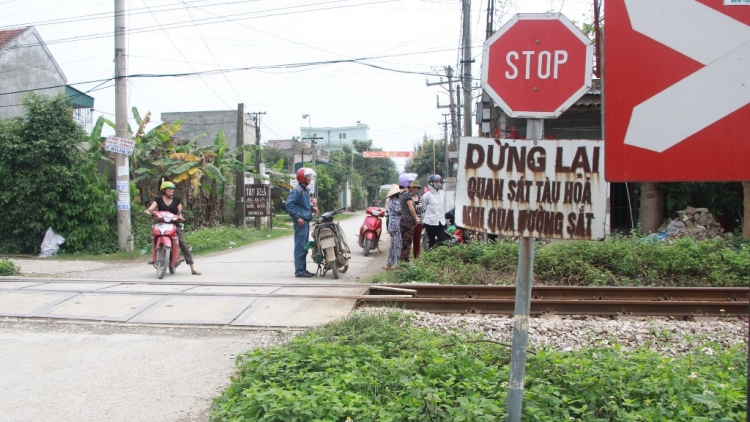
8	268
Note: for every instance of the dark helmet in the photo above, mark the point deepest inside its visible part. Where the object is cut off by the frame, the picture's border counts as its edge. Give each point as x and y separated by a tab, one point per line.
435	181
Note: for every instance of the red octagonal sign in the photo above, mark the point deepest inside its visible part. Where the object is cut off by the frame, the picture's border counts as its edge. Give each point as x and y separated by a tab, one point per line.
537	65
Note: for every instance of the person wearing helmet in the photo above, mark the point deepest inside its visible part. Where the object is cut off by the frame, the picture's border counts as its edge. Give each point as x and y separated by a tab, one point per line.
434	219
300	209
409	218
168	202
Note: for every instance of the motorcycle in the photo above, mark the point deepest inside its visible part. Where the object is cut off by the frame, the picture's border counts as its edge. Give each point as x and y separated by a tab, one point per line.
165	248
453	235
330	250
369	232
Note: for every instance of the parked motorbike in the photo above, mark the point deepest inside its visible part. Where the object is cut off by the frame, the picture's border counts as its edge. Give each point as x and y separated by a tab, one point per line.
330	250
452	235
165	248
369	232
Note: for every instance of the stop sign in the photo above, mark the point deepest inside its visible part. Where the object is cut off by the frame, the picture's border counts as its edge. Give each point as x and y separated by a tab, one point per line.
537	65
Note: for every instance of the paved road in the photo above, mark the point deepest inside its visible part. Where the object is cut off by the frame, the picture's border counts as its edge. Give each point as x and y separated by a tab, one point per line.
60	370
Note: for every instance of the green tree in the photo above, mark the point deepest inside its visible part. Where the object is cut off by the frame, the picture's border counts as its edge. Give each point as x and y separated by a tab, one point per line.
47	180
428	158
375	172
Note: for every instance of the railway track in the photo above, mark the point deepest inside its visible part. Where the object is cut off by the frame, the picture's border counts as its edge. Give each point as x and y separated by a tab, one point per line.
566	300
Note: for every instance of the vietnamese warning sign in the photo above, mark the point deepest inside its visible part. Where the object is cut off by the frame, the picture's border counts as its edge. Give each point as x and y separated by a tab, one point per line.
548	189
120	145
257	200
387	154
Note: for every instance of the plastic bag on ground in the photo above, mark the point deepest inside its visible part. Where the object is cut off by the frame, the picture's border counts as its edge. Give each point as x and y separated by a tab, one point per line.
51	243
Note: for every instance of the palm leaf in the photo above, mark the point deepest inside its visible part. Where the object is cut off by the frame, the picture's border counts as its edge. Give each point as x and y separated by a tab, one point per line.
136	115
184	156
213	172
174	128
182	168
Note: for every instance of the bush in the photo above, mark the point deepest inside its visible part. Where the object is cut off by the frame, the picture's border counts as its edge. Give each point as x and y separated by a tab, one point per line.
7	267
46	180
617	261
377	367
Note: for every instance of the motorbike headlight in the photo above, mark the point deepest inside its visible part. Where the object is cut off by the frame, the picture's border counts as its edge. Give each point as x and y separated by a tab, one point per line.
167	218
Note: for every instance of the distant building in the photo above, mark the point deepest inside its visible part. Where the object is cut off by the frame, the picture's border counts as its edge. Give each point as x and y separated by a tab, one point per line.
26	66
296	152
195	123
334	138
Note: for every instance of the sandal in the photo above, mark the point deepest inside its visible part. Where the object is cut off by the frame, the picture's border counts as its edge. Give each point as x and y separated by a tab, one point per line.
196	273
387	268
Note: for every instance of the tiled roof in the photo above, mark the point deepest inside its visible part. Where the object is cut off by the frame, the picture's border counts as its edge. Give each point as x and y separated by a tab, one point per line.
6	35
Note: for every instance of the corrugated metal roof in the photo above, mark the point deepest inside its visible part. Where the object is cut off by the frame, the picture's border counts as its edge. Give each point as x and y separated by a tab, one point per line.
6	35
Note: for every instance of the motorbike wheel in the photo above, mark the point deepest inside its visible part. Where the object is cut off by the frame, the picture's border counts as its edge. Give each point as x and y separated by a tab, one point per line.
161	261
344	269
425	241
368	246
334	269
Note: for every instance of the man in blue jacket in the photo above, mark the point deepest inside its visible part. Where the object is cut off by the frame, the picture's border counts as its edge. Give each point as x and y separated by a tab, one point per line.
300	209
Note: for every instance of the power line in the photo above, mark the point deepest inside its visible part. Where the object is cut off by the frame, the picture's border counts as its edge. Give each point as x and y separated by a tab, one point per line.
186	60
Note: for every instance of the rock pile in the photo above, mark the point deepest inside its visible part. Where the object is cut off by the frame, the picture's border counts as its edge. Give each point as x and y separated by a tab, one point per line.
566	333
696	223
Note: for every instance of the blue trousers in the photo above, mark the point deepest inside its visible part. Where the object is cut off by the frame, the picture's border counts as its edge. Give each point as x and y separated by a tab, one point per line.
301	236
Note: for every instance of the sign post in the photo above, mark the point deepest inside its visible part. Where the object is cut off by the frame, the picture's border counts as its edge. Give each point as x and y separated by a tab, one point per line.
257	200
535	67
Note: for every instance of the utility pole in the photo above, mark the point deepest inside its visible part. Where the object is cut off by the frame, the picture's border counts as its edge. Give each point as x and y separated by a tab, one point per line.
445	135
257	153
452	107
124	236
466	62
239	178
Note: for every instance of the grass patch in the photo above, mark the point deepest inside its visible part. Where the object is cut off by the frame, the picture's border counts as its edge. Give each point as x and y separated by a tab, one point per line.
377	367
616	261
8	268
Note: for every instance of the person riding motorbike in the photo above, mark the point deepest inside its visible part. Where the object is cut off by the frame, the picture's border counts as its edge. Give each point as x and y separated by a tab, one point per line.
168	202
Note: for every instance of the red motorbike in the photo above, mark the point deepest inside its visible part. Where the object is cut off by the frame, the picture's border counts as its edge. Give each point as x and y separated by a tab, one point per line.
369	232
165	248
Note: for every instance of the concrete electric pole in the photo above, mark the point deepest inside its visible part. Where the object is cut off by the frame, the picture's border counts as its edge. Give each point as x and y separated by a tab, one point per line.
466	62
124	236
239	177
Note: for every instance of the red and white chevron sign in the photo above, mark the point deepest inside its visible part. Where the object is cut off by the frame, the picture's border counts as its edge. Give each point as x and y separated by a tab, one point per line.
677	91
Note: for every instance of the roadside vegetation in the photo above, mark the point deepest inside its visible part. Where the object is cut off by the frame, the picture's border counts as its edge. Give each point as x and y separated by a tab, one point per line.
8	268
378	367
616	261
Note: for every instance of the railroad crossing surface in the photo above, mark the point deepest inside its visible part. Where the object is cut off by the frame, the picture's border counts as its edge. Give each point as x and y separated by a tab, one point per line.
251	286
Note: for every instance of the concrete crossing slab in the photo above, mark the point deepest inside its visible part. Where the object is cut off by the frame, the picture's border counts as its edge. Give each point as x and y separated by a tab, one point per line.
230	290
87	287
29	304
147	288
294	312
101	306
219	310
13	285
321	291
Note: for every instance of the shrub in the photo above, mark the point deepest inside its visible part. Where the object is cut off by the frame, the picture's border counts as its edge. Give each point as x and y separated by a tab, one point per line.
616	261
7	267
377	367
46	180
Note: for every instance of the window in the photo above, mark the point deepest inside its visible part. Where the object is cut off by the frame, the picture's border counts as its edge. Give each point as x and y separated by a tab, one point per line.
342	135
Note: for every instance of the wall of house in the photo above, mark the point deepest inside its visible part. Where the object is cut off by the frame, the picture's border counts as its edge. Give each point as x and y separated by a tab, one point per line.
195	123
23	68
332	139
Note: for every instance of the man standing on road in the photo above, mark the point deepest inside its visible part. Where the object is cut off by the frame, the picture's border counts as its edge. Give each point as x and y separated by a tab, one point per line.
434	219
299	207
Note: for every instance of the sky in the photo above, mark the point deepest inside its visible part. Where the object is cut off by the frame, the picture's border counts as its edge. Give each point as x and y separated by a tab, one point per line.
282	57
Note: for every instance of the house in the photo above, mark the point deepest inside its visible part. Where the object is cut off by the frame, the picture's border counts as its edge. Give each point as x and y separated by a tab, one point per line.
296	152
209	123
27	65
334	138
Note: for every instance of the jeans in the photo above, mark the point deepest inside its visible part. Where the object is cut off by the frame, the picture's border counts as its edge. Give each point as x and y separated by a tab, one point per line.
301	236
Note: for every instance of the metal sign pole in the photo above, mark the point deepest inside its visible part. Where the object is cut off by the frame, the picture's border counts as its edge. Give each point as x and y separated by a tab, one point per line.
522	309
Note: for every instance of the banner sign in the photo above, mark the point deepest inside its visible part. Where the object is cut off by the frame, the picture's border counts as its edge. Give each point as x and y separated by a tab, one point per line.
387	154
257	200
120	145
548	189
